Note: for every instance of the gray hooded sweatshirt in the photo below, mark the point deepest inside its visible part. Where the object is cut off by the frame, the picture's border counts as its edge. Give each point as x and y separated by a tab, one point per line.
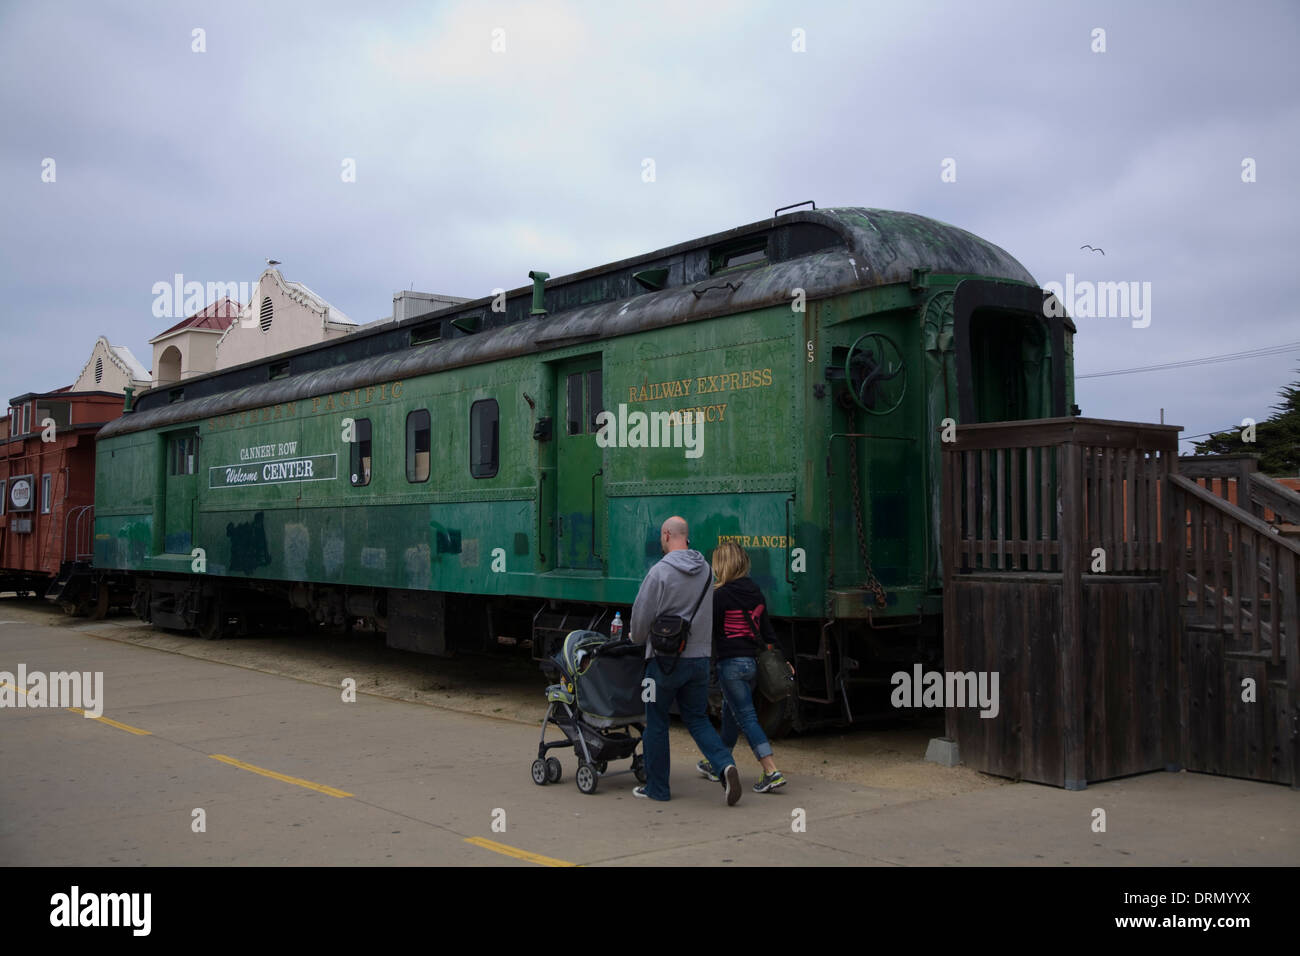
672	587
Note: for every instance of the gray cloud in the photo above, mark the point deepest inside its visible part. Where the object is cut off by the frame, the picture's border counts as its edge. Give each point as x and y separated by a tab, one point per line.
474	167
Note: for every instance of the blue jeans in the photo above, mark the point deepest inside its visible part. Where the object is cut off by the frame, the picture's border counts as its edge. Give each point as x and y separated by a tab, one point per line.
688	683
738	676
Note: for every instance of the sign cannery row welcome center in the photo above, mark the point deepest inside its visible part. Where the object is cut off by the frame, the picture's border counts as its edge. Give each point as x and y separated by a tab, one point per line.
282	462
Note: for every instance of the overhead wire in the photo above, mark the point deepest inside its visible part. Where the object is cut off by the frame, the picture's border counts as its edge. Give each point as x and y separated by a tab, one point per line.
1208	360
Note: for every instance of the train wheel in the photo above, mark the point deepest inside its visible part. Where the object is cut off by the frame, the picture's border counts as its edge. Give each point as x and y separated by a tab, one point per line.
554	771
539	772
211	624
586	778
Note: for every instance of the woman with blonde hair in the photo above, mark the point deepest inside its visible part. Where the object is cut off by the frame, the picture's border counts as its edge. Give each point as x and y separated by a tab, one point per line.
741	630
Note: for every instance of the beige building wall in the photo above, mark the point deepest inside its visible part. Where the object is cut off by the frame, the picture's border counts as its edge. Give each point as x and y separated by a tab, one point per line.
197	350
108	370
280	317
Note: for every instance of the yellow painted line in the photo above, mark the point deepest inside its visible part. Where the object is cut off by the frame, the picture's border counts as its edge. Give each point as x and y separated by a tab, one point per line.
517	853
77	710
113	723
283	778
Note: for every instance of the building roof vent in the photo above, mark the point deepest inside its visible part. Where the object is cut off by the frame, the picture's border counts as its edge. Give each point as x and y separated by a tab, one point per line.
267	314
99	370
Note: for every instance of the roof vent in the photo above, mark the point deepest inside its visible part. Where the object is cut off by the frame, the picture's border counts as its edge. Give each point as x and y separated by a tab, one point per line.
652	279
539	283
99	370
268	312
426	332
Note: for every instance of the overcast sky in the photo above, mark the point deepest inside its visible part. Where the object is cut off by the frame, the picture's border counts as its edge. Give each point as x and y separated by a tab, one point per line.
474	166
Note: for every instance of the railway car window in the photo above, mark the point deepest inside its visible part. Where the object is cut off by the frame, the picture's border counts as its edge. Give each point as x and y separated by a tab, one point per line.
417	445
484	421
574	414
183	455
595	403
361	453
45	494
745	253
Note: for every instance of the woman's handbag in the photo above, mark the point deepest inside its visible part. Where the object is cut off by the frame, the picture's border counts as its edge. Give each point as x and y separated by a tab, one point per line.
775	680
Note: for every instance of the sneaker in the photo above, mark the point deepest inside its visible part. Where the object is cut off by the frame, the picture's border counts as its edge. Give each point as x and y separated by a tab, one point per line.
640	792
731	784
770	782
706	769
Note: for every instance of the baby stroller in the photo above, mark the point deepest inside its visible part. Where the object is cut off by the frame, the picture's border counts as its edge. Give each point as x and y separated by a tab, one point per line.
596	703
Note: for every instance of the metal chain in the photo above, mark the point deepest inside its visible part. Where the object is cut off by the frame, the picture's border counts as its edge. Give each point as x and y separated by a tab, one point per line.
872	585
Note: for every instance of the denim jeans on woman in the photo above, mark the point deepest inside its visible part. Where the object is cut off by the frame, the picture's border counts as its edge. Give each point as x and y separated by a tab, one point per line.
738	676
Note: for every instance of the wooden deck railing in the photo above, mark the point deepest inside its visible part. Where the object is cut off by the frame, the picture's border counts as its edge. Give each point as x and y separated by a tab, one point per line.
1235	478
1017	490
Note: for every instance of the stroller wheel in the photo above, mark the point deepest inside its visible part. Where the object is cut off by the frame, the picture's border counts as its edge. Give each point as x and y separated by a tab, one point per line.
554	771
602	766
638	768
586	778
539	771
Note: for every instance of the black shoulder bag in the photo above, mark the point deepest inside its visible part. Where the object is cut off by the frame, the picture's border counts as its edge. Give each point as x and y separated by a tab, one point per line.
669	632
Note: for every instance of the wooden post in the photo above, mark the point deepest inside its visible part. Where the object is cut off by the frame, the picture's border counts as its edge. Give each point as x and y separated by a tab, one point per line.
1291	626
951	532
1072	687
1174	743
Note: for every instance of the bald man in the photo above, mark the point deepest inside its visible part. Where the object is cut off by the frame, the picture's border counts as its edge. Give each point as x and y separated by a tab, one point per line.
675	585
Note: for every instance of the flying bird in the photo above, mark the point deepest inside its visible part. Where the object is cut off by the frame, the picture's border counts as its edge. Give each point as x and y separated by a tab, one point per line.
1086	246
272	262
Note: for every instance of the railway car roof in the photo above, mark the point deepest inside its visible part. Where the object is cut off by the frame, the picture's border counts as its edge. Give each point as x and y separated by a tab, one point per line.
825	252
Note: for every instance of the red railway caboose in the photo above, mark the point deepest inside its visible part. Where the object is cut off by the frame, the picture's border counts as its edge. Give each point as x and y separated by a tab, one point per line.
47	486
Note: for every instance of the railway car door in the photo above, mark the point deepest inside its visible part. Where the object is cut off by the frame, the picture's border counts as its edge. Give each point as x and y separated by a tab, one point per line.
579	490
182	486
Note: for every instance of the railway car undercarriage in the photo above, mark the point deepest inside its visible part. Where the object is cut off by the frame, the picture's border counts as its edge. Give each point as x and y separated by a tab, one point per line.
843	667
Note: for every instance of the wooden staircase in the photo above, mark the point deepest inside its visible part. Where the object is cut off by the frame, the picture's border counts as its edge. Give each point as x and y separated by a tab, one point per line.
1139	615
1239	626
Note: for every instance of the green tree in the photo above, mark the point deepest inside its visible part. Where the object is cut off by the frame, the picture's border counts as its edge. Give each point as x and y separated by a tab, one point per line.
1277	438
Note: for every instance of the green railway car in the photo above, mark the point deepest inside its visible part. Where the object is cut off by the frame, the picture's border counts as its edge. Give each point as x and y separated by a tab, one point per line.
502	467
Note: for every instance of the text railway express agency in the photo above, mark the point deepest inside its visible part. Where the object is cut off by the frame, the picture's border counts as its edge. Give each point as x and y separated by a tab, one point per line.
700	385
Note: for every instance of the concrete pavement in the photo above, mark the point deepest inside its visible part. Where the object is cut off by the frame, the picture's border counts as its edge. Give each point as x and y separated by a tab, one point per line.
423	782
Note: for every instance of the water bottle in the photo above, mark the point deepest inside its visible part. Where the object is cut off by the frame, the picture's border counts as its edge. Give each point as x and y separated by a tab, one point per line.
616	627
